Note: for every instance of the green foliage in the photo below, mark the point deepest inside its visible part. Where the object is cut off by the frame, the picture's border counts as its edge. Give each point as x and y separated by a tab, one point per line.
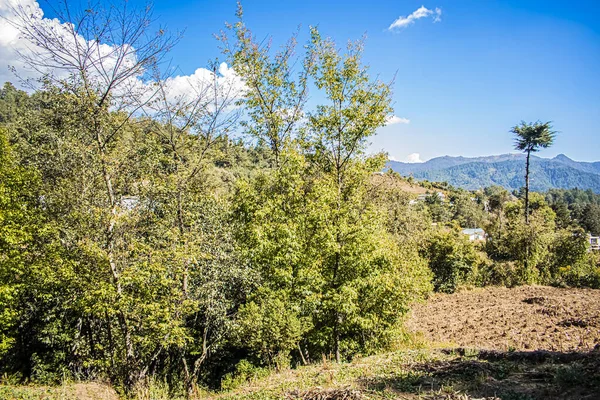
245	372
525	244
438	210
16	236
572	196
533	136
11	99
453	259
568	248
330	279
584	273
467	209
541	252
590	219
270	329
274	99
157	252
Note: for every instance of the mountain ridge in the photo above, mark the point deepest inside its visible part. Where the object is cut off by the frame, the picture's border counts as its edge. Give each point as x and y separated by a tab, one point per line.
507	170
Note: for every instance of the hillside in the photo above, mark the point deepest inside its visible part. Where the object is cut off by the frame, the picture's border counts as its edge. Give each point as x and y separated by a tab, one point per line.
494	343
505	170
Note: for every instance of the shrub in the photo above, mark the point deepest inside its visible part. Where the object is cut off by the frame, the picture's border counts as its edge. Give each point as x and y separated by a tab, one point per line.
584	273
453	259
244	371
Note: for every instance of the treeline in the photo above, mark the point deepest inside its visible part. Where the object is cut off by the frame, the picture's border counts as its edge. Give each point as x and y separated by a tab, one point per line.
551	249
576	206
192	241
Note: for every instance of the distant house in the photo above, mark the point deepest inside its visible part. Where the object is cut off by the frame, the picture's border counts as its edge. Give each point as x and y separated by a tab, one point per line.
476	234
594	242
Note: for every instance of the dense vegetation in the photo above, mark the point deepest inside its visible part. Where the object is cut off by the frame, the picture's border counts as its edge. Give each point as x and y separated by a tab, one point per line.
191	241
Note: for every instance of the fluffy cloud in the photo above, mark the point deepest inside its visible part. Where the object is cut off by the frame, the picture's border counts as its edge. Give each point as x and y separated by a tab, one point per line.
10	43
178	88
203	82
393	120
422	12
414	158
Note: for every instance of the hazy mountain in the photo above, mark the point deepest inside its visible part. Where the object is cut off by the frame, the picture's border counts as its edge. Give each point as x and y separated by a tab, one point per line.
506	170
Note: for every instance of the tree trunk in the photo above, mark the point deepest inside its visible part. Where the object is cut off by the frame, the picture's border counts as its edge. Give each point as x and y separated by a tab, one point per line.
526	263
304	362
110	245
336	334
336	314
527	188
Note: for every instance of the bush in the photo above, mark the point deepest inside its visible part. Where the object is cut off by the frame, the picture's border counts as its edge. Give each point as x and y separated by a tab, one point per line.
270	327
501	273
245	371
453	259
585	273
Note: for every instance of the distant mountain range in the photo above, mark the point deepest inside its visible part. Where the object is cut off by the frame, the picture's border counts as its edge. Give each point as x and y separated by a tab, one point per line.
506	170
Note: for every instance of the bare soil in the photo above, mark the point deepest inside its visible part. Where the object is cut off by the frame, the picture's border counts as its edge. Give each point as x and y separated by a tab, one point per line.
507	319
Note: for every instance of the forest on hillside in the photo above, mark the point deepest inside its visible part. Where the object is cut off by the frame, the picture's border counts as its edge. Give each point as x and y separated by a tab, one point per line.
506	171
193	240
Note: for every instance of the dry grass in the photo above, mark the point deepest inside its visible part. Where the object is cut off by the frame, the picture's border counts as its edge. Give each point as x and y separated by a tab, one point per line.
437	374
74	391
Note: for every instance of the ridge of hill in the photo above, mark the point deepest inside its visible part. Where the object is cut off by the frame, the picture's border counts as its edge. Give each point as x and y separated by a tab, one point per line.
507	170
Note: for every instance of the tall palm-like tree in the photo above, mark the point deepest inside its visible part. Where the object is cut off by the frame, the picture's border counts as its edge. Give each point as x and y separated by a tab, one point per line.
531	137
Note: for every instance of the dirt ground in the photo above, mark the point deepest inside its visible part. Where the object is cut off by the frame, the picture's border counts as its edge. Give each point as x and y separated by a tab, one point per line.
522	318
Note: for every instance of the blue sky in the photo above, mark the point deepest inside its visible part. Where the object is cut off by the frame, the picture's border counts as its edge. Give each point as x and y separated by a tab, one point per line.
462	82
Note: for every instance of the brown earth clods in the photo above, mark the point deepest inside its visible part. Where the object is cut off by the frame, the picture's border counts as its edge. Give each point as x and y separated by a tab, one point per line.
522	318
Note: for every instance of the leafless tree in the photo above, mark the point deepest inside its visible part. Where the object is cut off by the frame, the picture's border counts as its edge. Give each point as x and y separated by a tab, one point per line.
105	51
103	56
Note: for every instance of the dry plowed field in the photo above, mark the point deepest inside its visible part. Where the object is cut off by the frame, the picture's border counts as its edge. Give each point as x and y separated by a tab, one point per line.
522	318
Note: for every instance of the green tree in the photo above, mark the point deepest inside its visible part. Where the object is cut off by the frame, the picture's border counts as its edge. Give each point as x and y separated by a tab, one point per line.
313	229
437	208
92	185
466	210
274	100
11	99
530	138
590	219
16	216
452	259
563	215
191	231
356	106
34	299
569	248
525	244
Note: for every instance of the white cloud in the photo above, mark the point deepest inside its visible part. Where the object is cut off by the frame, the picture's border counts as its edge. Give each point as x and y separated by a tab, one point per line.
422	12
10	43
393	120
179	88
202	82
414	158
